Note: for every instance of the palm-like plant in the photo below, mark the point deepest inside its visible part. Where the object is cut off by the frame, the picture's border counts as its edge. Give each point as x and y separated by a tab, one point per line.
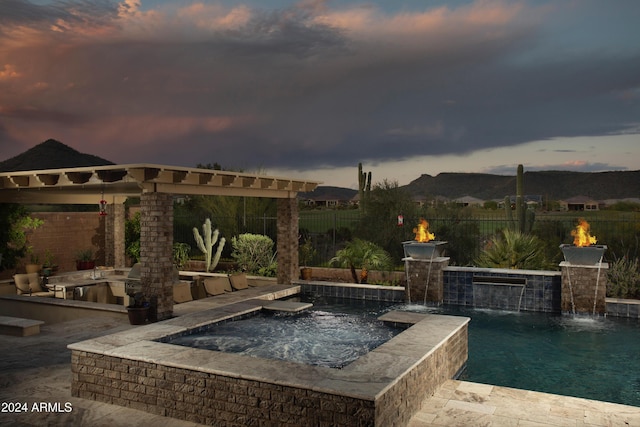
364	255
515	250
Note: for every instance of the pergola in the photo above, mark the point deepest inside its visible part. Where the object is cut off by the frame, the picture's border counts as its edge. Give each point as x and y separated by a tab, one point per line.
156	185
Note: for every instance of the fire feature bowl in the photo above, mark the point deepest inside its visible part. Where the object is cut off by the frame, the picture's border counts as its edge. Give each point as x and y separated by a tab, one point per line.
583	255
423	250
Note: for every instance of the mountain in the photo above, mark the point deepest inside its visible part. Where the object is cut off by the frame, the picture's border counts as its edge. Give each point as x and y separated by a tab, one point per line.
326	192
51	154
556	185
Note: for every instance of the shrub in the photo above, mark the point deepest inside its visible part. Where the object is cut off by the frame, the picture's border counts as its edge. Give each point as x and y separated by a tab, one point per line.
253	252
514	250
180	254
624	278
364	255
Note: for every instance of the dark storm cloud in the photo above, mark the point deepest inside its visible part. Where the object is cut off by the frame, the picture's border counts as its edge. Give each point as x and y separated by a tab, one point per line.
304	86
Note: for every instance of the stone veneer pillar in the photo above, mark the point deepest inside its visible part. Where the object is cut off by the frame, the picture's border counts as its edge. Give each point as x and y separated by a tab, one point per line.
114	251
287	246
581	286
156	253
425	276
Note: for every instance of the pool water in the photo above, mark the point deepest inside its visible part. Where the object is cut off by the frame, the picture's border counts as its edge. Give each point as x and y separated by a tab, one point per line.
328	334
594	358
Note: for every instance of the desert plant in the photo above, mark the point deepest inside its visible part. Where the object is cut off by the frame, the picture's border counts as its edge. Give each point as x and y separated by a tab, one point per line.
624	278
363	255
524	217
132	237
180	254
515	250
84	255
252	251
207	241
307	252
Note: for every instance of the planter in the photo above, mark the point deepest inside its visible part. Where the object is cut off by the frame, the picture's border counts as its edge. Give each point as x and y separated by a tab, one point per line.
583	255
306	273
423	250
33	268
137	315
85	265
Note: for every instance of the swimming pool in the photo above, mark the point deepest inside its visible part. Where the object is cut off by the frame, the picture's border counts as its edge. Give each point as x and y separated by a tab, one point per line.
593	358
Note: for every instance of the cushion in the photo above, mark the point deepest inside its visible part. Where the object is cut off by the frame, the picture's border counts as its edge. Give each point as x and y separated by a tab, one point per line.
217	285
182	292
27	283
238	281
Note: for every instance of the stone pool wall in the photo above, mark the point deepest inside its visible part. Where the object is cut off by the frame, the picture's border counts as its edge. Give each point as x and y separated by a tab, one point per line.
471	287
384	387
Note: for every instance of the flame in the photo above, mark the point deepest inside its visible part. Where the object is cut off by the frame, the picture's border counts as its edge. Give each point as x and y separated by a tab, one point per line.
422	232
581	236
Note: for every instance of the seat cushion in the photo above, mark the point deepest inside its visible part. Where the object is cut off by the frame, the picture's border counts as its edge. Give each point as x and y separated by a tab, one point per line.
182	292
27	283
216	285
238	281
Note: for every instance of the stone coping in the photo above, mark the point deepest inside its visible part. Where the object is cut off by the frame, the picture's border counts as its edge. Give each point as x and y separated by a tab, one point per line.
506	271
600	266
67	303
350	285
366	378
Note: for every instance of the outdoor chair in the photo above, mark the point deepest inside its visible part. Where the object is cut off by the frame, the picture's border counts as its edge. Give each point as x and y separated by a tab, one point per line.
29	284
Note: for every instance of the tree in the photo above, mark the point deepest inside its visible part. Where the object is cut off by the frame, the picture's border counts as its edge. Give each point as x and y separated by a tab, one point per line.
363	255
379	223
15	222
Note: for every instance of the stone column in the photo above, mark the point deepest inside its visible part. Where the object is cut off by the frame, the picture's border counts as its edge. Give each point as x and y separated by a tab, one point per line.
114	236
156	253
582	285
287	246
425	277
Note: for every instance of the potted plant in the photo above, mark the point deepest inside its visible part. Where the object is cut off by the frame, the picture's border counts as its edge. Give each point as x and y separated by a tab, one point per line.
26	225
49	267
138	310
33	266
307	252
85	260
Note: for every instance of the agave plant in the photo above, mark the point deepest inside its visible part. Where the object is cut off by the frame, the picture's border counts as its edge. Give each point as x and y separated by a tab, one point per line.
363	255
515	250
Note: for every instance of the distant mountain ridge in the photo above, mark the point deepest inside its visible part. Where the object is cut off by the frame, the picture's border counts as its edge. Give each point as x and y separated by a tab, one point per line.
51	154
556	185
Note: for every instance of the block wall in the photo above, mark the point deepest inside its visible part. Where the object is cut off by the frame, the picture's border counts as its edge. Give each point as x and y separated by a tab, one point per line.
404	399
425	276
287	244
207	398
64	234
584	289
156	253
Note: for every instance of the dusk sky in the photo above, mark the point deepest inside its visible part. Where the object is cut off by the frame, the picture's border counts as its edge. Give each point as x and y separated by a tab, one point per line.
308	89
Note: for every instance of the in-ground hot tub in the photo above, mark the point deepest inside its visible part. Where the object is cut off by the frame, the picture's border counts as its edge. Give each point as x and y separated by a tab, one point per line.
383	387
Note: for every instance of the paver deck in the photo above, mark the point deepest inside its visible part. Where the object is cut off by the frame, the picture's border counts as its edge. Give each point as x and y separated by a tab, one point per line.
36	369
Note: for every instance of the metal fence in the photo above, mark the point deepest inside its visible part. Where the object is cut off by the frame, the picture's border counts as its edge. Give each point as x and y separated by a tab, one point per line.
329	230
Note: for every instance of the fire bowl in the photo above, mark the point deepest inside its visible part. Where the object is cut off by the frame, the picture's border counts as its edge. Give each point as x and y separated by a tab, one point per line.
583	255
423	250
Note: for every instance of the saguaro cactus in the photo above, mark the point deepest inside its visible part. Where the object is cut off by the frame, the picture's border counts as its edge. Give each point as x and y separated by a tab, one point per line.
524	219
207	241
364	185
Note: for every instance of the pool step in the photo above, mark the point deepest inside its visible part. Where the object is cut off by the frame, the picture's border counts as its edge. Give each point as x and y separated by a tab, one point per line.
19	327
288	306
